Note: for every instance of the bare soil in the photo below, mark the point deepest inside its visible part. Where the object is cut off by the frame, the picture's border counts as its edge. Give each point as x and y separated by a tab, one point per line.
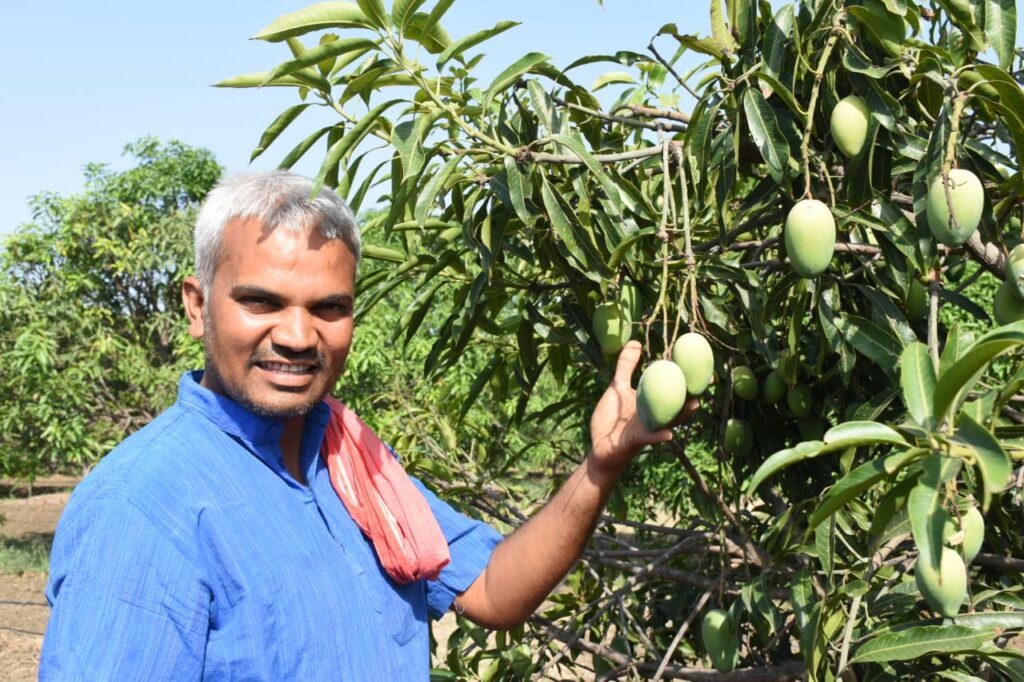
28	513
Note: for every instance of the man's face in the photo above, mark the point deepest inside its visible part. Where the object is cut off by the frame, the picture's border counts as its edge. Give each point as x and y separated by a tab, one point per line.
276	322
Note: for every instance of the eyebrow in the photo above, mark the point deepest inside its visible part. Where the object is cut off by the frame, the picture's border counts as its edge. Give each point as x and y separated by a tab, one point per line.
245	290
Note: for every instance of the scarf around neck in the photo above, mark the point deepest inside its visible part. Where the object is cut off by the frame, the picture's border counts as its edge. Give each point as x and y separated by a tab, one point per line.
382	499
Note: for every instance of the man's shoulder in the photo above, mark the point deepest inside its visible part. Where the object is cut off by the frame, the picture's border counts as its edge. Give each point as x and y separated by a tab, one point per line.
156	463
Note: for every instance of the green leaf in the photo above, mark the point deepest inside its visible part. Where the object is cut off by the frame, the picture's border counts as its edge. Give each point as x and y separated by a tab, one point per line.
876	343
962	375
1006	620
426	30
841	437
402	12
777	40
991	459
850	486
301	79
764	128
924	507
610	78
719	29
428	195
473	39
919	641
957	341
301	148
572	234
510	75
276	128
962	15
346	144
375	12
318	54
1001	29
314	18
917	378
519	189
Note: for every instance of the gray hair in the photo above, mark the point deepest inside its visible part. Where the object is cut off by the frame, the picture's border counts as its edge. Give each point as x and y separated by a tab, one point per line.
277	199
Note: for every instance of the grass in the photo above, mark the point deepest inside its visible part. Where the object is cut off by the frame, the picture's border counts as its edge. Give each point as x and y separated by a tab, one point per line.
25	554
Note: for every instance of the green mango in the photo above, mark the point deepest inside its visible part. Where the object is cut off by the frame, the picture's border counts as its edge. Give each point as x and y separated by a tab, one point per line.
945	589
720	641
693	354
744	383
810	236
967	197
660	395
849	125
612	327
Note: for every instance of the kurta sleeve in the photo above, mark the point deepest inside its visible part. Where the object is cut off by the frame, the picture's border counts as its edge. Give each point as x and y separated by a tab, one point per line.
127	603
470	542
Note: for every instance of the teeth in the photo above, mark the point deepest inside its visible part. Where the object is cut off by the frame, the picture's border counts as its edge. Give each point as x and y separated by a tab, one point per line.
287	369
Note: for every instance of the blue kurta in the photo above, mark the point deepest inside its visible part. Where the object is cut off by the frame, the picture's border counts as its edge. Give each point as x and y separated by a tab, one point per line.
190	552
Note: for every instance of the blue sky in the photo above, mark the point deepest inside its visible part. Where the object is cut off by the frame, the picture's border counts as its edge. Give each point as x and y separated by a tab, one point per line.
83	79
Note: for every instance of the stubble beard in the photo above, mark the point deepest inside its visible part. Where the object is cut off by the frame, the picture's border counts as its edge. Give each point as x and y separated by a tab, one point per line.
240	395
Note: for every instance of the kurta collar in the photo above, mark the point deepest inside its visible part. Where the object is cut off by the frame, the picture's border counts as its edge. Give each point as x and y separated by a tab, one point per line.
234	419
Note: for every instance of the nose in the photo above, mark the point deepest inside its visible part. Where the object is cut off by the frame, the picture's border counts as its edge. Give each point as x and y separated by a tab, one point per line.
294	330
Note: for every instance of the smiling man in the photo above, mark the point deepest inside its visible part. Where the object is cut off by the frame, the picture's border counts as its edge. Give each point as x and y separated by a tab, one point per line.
257	529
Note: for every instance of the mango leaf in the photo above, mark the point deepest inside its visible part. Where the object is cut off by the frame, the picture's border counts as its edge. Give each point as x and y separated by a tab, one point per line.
777	40
375	12
841	437
924	506
852	485
428	195
473	39
402	12
868	338
302	79
276	128
764	127
611	78
314	18
957	341
773	86
961	376
347	143
519	189
566	225
511	74
427	31
919	641
301	148
991	459
319	53
1001	28
1007	620
917	378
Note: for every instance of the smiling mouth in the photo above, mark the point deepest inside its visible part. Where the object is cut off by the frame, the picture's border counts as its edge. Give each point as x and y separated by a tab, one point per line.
287	368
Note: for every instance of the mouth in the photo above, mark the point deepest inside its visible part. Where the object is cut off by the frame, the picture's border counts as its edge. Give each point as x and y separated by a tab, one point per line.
288	374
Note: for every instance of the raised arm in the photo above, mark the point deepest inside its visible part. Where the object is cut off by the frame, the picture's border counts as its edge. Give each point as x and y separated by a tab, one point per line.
530	562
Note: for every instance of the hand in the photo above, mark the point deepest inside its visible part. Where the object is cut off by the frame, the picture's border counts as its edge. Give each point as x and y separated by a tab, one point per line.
615	428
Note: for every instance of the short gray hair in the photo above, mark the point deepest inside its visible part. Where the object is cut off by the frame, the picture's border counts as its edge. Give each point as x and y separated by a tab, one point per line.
277	199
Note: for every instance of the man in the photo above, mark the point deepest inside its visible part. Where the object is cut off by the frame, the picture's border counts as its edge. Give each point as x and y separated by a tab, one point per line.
222	541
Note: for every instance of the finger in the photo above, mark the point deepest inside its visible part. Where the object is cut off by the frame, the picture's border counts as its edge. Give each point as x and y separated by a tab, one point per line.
628	360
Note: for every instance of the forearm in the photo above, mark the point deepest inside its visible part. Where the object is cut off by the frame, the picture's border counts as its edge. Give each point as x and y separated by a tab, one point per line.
531	561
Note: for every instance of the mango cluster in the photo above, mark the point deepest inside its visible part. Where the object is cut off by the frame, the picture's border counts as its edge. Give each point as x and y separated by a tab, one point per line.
664	384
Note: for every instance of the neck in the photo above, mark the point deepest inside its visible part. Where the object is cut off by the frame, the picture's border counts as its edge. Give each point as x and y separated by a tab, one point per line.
291	445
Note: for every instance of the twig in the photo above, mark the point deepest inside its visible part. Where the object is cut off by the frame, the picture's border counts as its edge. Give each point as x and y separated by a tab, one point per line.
624	120
641	110
679	635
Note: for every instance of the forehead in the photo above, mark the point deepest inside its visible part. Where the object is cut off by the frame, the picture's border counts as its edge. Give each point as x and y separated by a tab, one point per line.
249	249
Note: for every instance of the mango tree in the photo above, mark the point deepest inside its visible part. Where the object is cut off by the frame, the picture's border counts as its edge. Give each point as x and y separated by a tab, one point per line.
828	212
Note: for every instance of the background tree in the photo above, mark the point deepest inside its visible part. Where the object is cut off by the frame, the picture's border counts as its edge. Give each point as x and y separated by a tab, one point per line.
524	203
92	339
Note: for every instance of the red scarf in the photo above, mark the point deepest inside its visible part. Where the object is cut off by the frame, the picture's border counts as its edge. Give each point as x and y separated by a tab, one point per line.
382	500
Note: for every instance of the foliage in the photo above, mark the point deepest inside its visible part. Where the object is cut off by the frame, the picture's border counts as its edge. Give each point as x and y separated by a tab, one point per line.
522	203
92	336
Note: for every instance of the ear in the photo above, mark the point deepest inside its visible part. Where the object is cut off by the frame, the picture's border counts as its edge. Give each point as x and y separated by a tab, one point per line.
193	299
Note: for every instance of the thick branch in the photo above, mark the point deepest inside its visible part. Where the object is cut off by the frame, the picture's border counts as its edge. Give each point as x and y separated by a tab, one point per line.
544	157
996	561
624	120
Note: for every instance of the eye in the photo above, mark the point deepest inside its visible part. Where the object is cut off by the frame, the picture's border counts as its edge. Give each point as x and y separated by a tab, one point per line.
258	304
333	311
